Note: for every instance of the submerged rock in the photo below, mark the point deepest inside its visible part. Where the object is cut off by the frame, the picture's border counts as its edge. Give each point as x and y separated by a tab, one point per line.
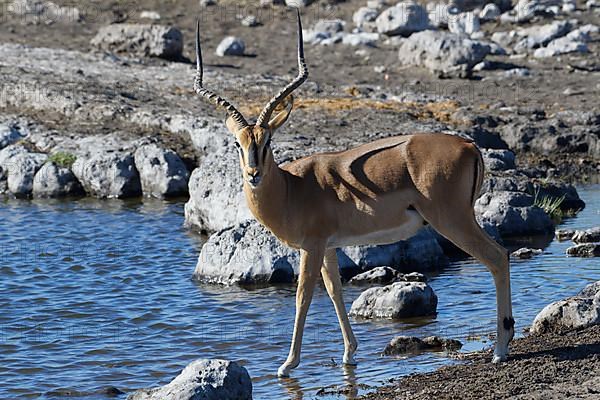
398	300
584	250
442	52
203	380
246	254
588	236
573	313
53	181
526	253
140	40
162	172
108	175
386	275
564	234
408	344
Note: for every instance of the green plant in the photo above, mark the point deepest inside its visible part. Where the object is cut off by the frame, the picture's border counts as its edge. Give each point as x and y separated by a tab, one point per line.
62	159
550	205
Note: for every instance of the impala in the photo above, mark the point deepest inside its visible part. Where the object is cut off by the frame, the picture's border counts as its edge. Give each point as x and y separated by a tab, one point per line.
377	193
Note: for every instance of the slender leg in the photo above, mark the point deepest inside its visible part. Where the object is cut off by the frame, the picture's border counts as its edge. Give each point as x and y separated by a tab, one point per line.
333	283
310	263
468	235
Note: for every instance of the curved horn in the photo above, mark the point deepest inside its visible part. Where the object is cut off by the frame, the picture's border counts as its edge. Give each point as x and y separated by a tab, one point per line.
209	95
265	115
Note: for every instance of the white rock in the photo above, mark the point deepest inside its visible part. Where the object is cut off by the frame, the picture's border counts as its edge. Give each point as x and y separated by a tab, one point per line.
250	21
298	3
9	135
53	181
140	40
162	172
559	46
365	17
203	380
108	175
584	33
490	12
403	19
231	46
540	35
467	23
361	39
398	300
153	15
21	169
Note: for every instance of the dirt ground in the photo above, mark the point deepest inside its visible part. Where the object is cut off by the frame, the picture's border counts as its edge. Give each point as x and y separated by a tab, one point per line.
540	367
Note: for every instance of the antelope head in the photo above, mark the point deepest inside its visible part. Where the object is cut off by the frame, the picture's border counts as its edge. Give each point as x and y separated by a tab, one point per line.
253	141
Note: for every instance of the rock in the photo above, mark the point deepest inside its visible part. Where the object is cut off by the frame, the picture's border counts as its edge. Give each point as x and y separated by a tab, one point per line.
557	190
162	172
203	379
329	26
216	198
440	13
53	181
141	40
564	234
398	300
584	33
208	3
505	39
231	46
9	135
402	19
526	253
513	214
250	21
108	175
584	250
438	343
498	160
153	15
588	236
464	23
361	39
525	10
421	252
519	72
540	35
490	12
383	275
298	3
442	52
573	313
246	254
19	168
408	344
559	46
364	18
569	6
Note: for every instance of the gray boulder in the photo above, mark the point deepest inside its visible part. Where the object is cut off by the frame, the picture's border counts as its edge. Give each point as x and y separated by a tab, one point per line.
564	234
525	10
498	160
563	45
442	52
203	380
361	39
55	181
513	214
9	135
364	18
403	19
231	46
140	40
108	175
246	254
541	35
464	23
421	252
584	250
490	12
216	197
20	167
573	313
409	344
588	236
162	172
398	300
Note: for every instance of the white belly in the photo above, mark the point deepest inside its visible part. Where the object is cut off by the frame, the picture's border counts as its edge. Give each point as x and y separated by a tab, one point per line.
401	232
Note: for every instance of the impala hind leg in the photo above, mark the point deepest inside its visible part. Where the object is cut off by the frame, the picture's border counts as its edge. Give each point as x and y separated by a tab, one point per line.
471	238
333	283
310	265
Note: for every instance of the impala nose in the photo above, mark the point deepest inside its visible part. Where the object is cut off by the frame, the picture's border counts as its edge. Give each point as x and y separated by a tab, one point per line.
254	178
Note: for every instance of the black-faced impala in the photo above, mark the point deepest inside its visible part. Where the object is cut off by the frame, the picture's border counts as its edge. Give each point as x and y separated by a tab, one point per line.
377	193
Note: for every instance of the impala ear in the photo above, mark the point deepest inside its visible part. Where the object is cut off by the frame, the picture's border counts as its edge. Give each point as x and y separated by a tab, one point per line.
282	116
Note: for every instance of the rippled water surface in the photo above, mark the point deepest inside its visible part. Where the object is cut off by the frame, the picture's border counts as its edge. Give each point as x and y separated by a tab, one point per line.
98	294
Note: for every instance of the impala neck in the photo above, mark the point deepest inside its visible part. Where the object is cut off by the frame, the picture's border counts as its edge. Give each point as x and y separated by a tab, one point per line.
267	202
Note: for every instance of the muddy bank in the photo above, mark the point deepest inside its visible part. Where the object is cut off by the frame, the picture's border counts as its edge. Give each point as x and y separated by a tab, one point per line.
548	366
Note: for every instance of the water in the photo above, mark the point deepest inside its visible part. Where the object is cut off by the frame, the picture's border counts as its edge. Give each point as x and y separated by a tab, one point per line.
97	294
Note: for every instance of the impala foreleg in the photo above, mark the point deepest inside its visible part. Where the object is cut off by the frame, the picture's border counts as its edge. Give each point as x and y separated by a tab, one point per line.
310	264
333	283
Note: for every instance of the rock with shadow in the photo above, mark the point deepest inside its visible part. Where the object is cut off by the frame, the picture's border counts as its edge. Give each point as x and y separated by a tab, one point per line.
398	300
409	344
571	314
203	379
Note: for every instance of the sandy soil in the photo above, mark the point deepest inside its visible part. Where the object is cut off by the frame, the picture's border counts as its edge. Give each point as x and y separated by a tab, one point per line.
540	367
